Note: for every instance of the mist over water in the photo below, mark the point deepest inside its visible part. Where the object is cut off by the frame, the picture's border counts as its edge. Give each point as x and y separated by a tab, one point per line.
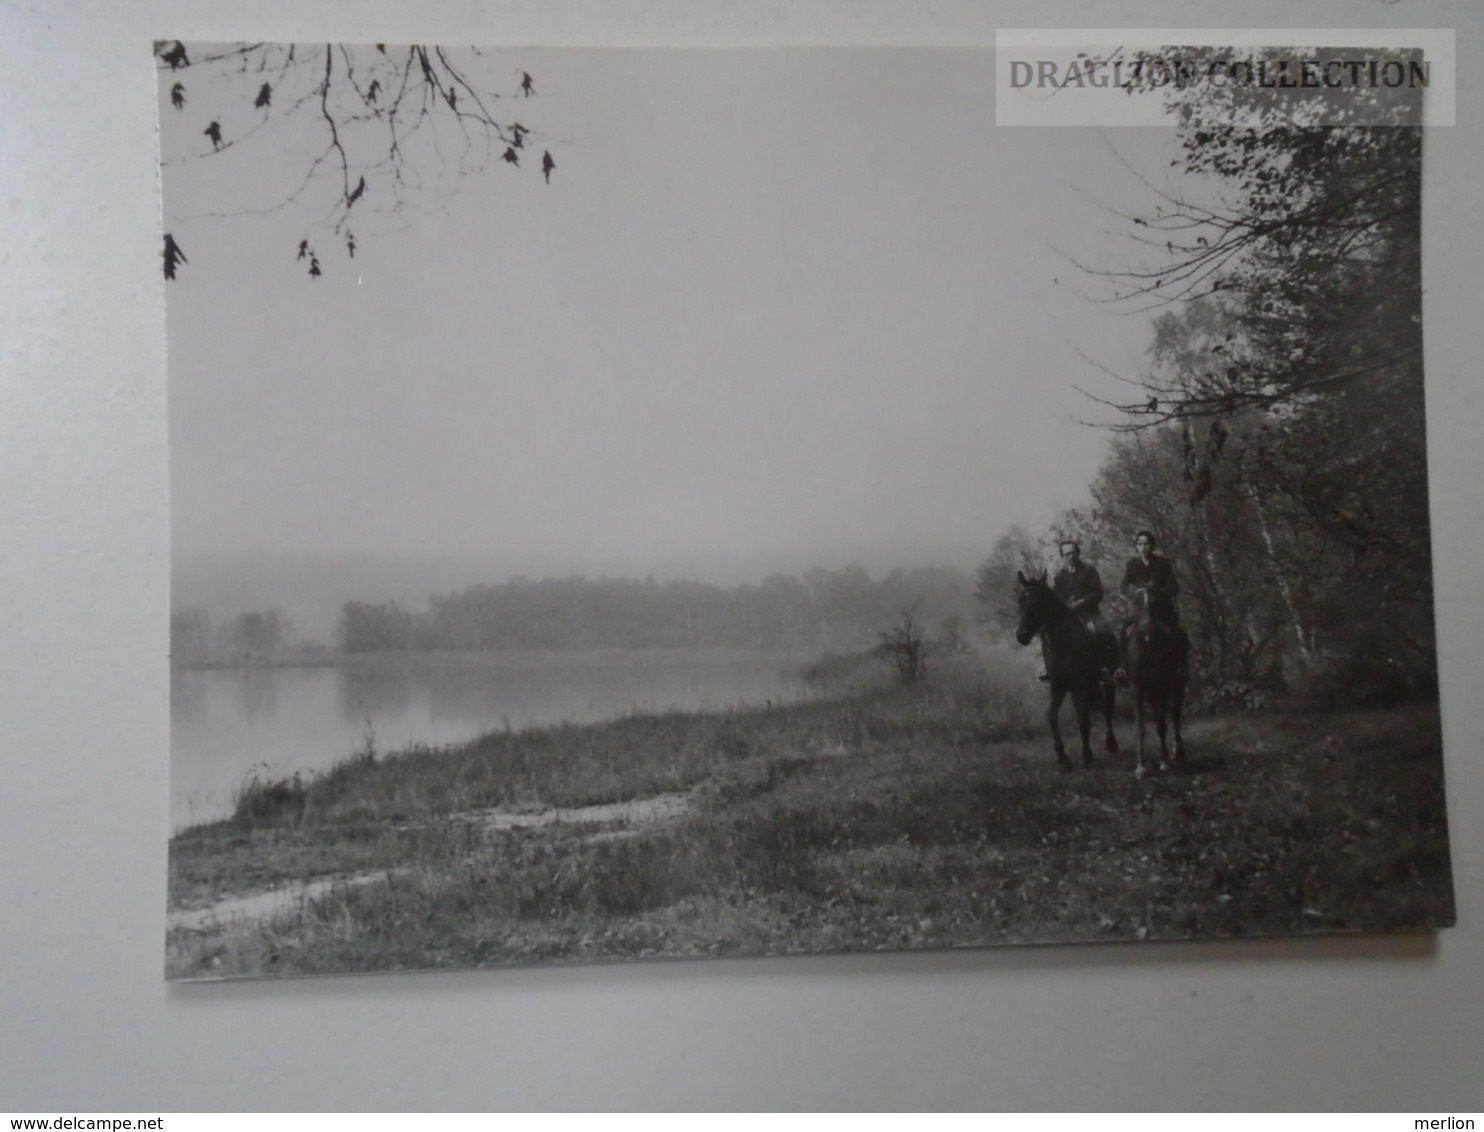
311	589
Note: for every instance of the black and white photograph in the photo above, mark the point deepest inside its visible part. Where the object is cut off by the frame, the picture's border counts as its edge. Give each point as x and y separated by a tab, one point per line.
636	503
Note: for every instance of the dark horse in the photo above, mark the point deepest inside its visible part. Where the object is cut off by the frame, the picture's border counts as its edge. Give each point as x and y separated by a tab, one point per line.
1158	667
1074	662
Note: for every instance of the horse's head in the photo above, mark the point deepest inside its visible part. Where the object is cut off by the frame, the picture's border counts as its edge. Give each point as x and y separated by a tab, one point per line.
1138	608
1034	600
1143	624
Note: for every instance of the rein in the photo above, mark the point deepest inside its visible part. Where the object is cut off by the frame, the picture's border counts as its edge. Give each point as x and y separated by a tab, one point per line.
1059	611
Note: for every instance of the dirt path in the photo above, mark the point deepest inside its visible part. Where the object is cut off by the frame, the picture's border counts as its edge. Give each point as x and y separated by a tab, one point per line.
261	905
629	816
615	820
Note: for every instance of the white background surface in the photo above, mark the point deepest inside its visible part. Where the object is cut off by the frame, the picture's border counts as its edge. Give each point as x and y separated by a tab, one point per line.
86	1020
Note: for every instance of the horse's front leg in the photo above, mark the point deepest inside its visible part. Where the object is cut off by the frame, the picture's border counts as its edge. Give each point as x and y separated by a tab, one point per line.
1177	703
1161	708
1082	701
1177	695
1110	693
1139	716
1057	694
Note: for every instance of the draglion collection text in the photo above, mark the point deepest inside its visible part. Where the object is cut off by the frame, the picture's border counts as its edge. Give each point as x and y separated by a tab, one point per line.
1153	73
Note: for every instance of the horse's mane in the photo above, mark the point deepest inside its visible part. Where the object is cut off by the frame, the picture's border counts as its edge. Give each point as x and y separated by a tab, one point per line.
1141	612
1059	608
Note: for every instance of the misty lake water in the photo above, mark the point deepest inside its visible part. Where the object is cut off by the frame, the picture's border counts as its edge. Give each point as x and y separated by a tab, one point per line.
227	724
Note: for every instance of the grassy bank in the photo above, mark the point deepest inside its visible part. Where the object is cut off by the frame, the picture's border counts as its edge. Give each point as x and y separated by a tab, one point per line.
922	818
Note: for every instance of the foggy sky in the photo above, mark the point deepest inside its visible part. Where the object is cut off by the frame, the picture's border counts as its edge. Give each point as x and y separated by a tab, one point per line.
776	308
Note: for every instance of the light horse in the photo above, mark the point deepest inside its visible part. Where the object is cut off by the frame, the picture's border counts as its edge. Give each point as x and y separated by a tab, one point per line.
1074	662
1158	668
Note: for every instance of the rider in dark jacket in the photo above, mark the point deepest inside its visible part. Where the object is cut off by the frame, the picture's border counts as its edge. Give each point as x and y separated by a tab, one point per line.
1080	589
1078	586
1153	572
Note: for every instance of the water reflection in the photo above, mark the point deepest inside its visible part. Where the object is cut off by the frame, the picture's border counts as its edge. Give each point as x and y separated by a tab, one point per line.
226	721
257	689
188	700
368	690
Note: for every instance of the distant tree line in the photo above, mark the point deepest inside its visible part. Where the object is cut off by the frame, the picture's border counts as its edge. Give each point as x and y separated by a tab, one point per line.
1276	440
825	609
254	636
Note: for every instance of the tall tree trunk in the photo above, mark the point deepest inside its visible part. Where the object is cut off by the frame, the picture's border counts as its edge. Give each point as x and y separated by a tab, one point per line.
1217	603
1283	587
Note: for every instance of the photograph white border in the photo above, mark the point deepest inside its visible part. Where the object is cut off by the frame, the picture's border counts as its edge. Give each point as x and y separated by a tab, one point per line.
1390	1023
